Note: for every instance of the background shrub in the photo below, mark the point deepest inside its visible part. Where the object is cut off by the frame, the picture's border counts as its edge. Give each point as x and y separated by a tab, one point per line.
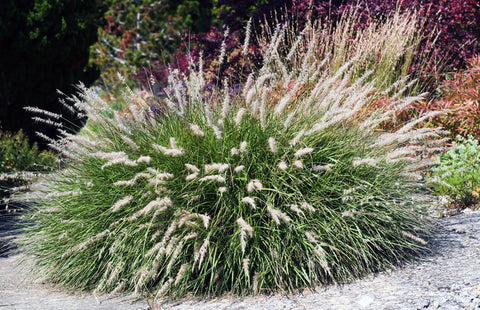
17	156
137	34
461	97
44	48
458	173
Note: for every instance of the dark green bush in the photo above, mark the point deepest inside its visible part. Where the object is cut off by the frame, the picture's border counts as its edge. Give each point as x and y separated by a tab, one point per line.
44	47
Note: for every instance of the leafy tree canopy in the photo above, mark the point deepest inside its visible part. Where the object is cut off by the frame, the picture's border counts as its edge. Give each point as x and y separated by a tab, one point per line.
45	46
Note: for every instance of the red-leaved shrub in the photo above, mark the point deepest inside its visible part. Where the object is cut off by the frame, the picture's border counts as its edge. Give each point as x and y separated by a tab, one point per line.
461	96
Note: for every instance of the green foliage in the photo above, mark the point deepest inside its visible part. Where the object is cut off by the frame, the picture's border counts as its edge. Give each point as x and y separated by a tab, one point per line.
45	45
458	173
18	155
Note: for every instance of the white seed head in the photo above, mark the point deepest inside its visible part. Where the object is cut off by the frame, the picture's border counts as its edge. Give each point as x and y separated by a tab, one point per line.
215	177
303	151
255	282
272	144
159	204
297	138
243	147
248	33
245	264
164	288
278	215
238	118
254	185
245	226
192	168
121	203
201	252
298	164
318	168
282	165
191	177
168	151
250	201
144	159
197	131
306	206
239	168
219	167
311	236
348	213
180	273
295	209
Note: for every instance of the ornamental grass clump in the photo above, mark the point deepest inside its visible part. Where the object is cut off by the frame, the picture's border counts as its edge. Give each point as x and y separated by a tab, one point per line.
270	188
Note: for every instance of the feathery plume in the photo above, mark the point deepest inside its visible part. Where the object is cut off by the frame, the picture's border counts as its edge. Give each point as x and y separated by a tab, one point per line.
278	215
219	167
239	168
223	47
174	256
327	168
245	264
303	151
348	213
367	161
192	168
243	147
282	165
163	289
132	181
250	201
248	33
414	238
297	138
161	204
201	252
37	110
255	282
295	209
245	226
86	243
298	164
197	131
172	151
121	203
47	121
272	144
191	176
254	185
180	273
226	100
215	177
240	113
306	206
144	159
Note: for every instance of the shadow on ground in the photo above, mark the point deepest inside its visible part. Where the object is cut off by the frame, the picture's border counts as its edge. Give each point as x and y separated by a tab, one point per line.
11	224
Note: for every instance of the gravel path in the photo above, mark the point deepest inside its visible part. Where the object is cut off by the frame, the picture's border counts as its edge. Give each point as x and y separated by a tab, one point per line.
447	279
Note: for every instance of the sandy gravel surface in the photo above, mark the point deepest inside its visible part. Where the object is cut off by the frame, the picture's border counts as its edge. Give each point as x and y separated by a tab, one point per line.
449	278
